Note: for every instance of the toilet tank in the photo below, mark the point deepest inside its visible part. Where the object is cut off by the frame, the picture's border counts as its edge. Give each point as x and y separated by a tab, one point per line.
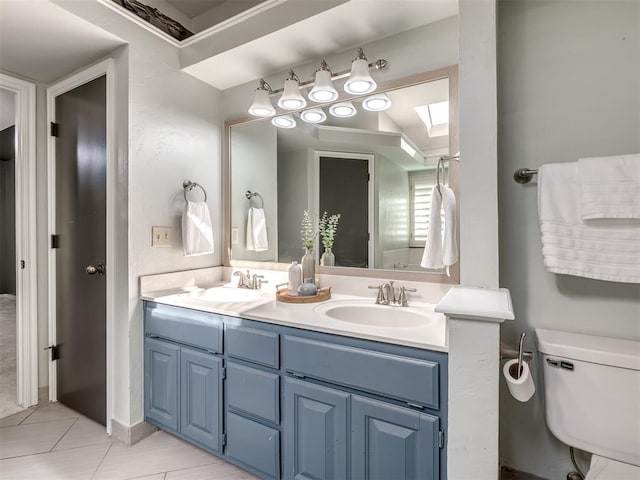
592	392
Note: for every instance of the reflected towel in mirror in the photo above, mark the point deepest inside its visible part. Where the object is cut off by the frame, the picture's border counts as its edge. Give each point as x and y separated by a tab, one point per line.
197	232
441	252
257	230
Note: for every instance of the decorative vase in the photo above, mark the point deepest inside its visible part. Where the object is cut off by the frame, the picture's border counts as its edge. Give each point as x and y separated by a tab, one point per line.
328	259
308	266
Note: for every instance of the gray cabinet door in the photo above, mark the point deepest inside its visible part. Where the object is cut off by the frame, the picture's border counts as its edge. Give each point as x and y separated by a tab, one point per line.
315	432
389	442
161	382
201	397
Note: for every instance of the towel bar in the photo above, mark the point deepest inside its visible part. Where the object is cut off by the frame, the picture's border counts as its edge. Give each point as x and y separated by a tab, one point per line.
524	175
188	185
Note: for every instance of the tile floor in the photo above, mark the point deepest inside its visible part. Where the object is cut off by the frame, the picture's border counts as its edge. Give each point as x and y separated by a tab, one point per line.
51	441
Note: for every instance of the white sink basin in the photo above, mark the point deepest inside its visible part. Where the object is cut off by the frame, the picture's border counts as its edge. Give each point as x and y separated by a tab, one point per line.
358	312
226	295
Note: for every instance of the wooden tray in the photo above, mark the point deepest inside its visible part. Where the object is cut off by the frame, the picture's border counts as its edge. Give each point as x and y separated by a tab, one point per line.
323	294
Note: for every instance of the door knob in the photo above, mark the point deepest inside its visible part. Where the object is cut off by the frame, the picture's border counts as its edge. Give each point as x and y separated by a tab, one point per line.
92	270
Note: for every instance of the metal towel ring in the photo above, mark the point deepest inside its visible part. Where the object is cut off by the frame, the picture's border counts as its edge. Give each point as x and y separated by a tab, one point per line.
249	194
188	185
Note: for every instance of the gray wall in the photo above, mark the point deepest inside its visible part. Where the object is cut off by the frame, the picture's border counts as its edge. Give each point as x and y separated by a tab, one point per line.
293	199
8	212
568	88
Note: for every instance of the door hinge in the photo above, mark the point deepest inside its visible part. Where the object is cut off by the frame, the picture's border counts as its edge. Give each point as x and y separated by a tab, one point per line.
368	177
224	439
54	129
224	373
55	241
55	352
22	265
440	439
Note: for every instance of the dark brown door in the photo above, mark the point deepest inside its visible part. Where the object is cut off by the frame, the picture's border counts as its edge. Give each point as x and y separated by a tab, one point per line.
344	189
81	254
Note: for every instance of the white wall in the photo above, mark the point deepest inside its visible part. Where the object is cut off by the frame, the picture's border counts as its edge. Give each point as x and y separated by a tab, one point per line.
569	88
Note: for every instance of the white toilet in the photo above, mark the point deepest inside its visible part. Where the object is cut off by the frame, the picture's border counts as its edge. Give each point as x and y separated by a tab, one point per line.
592	399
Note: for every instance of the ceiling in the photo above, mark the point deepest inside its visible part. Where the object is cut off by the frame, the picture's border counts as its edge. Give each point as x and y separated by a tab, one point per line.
347	25
44	42
193	8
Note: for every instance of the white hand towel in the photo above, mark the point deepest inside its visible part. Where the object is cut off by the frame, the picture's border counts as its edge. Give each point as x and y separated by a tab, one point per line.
450	255
604	249
257	230
197	232
610	187
433	256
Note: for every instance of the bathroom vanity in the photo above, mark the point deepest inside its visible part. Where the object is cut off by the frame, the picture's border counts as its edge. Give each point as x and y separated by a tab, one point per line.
285	402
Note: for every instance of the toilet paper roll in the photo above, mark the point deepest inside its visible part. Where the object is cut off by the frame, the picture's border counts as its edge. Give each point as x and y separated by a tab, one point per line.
522	389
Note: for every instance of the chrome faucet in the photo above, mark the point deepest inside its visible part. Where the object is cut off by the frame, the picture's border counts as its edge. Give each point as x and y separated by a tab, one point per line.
387	294
248	280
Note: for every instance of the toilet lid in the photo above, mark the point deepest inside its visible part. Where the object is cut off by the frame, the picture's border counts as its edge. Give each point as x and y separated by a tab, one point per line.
606	469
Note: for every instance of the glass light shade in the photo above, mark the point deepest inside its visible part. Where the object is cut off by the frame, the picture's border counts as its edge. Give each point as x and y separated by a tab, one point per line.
314	115
323	91
376	103
291	98
342	110
261	106
284	121
359	81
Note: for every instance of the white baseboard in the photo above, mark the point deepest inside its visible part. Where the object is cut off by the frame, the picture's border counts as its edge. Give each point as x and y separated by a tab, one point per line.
130	435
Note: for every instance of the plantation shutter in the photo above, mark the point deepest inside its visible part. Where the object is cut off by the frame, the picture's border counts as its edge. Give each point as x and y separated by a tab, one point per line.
421	185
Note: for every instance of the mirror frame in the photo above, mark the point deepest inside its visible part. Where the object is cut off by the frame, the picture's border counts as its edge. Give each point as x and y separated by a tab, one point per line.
450	72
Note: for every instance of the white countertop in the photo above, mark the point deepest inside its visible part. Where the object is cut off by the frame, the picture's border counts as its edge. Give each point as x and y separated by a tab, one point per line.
431	335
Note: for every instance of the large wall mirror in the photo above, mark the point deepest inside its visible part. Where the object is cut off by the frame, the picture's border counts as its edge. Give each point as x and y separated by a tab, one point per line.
376	169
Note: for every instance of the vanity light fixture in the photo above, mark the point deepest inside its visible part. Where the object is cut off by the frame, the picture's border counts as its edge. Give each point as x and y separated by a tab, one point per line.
291	98
314	115
261	106
323	91
360	82
342	110
376	103
284	121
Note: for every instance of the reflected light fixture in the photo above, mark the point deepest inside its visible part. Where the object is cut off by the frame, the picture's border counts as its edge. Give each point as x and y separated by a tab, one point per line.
314	115
323	91
376	103
284	121
261	106
342	110
291	98
359	81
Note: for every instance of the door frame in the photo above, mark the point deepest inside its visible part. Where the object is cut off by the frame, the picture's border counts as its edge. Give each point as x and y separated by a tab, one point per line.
314	191
105	67
26	239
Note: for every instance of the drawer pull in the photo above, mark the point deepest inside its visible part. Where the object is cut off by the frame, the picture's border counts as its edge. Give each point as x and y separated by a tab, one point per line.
415	405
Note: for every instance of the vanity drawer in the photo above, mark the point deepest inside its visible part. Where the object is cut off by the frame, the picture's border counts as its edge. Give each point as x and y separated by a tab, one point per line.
254	445
407	379
253	345
182	325
253	391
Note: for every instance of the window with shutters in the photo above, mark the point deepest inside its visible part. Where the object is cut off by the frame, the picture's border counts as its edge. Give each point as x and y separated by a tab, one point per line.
421	185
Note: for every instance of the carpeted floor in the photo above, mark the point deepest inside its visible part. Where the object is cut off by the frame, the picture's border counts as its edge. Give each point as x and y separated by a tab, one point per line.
8	401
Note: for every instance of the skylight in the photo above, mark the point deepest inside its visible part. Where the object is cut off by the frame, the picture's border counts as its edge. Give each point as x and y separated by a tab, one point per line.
436	117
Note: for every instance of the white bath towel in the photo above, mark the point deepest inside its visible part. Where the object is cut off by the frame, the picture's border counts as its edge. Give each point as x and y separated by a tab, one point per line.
257	230
433	256
610	187
450	245
197	232
604	249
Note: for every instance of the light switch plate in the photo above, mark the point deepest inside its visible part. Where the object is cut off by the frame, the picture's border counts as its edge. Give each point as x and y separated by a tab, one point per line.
161	236
235	235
